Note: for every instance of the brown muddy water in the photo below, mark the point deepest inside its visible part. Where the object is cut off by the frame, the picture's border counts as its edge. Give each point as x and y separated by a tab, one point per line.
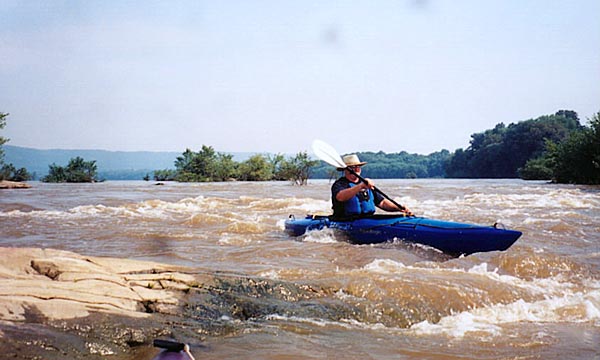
539	299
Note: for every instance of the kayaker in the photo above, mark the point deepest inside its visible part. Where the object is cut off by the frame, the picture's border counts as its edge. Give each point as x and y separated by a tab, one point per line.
351	197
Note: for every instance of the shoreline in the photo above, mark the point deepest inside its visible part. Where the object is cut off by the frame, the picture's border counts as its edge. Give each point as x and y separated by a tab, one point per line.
5	184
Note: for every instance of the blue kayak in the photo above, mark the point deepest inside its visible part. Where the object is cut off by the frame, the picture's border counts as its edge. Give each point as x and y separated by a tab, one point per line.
449	237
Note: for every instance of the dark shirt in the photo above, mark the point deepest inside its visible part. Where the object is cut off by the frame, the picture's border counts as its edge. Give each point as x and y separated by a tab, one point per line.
338	206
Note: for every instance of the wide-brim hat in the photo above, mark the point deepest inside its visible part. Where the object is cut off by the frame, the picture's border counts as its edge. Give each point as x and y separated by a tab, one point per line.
352	160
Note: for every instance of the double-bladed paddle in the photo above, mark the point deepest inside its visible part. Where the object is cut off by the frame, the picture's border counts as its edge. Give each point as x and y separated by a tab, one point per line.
328	154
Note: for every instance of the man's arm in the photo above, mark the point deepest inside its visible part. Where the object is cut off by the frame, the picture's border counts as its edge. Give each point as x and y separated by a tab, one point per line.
349	193
387	205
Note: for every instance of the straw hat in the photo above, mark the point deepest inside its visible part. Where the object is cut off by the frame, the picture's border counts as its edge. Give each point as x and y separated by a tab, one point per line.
352	160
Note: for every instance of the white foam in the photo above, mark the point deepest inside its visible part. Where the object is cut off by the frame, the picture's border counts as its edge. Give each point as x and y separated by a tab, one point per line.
343	323
233	239
149	209
539	286
270	274
572	308
325	236
547	205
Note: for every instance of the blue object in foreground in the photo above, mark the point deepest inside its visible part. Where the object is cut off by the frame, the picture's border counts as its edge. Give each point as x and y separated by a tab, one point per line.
449	237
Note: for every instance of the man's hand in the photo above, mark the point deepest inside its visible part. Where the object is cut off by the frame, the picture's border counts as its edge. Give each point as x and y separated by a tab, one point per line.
368	184
406	211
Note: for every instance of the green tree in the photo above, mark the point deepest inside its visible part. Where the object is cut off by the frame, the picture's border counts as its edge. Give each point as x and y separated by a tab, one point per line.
577	160
56	174
3	140
296	169
278	164
537	169
256	168
8	171
204	165
225	168
77	171
183	163
502	151
164	175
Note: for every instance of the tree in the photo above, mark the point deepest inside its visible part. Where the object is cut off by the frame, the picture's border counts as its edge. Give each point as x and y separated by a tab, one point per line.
226	168
256	168
183	163
577	160
278	164
536	169
8	171
3	140
501	152
297	169
204	165
77	171
164	175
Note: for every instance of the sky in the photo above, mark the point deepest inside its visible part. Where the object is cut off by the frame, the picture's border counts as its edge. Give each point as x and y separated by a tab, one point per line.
272	76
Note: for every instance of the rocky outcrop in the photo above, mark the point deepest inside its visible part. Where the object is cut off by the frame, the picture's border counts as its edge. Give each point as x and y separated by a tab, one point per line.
63	285
4	184
57	304
63	293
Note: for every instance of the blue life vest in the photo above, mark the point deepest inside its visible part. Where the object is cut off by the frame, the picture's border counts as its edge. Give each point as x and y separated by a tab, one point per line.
359	206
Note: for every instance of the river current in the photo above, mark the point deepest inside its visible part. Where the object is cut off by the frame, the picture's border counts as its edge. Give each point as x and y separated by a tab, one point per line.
538	299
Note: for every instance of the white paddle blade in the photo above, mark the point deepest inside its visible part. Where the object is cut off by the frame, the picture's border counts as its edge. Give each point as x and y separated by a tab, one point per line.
327	153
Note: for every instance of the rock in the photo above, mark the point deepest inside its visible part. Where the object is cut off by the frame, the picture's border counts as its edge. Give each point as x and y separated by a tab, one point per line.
4	184
64	285
83	305
61	305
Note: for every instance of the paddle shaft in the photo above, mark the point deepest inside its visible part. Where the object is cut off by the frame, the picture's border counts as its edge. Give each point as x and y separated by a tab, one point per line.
400	207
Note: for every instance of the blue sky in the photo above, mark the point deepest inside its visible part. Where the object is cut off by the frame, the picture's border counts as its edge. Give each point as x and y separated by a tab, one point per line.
271	76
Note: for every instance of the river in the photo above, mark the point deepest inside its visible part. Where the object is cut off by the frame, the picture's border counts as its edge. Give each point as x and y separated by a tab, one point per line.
538	299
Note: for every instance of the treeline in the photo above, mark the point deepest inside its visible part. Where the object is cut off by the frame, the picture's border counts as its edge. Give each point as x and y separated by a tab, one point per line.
552	147
503	151
401	165
209	165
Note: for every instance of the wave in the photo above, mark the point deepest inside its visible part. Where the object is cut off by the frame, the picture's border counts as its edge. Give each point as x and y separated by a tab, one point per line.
390	296
576	307
194	208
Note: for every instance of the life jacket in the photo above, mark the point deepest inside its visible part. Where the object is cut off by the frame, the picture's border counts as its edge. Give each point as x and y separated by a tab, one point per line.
359	206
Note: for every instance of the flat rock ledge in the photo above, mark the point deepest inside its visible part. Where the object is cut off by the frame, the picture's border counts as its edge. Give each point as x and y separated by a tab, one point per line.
57	304
45	286
4	184
64	285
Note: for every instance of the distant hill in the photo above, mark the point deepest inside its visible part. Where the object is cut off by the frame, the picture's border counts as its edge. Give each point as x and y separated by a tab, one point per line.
112	165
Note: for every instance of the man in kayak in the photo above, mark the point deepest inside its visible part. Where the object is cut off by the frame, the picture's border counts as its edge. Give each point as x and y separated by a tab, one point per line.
352	197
